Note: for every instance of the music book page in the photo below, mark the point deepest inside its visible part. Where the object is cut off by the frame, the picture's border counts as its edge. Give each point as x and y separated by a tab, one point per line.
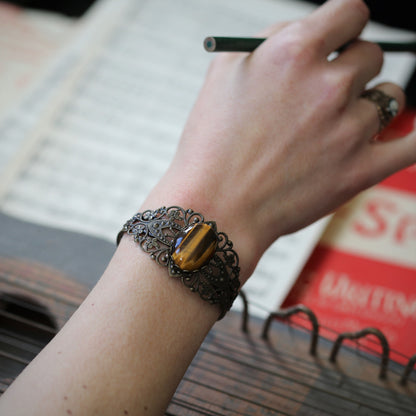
88	143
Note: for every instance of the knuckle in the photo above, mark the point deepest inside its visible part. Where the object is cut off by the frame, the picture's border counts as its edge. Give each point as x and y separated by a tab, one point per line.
337	87
346	83
292	43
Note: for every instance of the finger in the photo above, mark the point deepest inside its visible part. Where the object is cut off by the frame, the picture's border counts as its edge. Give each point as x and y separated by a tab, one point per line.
272	29
371	113
337	22
385	158
362	60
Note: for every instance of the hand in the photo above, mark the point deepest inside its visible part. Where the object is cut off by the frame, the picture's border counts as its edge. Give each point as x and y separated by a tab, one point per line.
281	137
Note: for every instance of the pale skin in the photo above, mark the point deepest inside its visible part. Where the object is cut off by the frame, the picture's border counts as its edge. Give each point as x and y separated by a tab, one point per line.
277	139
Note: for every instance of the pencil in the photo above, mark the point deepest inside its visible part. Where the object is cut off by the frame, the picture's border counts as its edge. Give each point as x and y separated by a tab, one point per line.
236	44
224	44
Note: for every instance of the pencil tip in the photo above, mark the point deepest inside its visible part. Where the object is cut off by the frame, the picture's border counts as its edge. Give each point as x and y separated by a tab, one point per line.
209	44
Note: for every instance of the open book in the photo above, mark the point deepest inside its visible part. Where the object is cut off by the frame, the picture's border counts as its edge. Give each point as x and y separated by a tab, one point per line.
86	144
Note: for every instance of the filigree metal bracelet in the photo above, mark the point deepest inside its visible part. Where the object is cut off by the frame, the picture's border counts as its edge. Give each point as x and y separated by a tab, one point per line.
192	249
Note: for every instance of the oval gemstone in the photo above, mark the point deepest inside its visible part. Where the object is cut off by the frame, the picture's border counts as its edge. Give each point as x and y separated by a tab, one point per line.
195	247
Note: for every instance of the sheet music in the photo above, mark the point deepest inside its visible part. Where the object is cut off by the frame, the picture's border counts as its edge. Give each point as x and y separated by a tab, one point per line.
84	157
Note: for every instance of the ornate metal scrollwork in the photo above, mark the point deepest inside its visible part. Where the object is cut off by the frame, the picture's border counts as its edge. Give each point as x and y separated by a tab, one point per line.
157	232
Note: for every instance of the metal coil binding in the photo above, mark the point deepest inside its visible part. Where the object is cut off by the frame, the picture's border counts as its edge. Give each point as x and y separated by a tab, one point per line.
287	313
360	334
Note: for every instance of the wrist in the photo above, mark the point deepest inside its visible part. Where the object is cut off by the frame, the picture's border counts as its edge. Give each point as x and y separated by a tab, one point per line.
183	194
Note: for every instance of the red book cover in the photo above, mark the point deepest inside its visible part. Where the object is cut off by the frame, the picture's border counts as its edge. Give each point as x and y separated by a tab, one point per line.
363	271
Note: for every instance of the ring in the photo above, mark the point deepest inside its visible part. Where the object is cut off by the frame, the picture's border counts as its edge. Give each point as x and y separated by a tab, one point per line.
387	106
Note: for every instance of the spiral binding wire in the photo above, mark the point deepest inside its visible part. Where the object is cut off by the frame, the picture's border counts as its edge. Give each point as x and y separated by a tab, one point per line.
302	309
408	369
287	313
360	334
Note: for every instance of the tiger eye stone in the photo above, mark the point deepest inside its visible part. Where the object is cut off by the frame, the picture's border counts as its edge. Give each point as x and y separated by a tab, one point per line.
195	247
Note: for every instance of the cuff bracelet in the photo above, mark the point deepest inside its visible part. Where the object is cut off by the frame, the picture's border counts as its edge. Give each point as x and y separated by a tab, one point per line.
192	250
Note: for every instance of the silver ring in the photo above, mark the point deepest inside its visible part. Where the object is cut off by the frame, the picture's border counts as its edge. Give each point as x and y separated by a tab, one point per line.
387	106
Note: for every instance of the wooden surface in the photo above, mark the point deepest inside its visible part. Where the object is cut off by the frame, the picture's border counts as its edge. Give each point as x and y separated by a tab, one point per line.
234	373
241	374
35	302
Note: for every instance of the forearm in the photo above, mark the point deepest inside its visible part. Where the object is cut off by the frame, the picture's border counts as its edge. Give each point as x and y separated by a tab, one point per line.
123	352
127	347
